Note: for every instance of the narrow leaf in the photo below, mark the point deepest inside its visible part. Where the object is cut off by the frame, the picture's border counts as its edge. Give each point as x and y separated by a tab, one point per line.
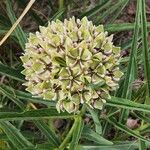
19	32
34	115
91	135
125	129
94	114
76	133
10	72
17	139
125	103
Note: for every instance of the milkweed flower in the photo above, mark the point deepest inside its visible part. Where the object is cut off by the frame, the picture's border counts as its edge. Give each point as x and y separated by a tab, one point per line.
72	62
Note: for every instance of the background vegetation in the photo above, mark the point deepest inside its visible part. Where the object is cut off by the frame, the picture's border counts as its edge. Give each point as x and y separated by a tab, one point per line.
30	123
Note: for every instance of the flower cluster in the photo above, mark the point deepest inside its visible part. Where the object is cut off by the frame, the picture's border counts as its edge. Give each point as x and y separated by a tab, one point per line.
72	62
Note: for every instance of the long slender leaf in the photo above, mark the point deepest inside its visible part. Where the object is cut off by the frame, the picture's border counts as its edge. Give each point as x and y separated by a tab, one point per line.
118	11
96	9
76	133
98	127
17	139
47	132
10	72
118	146
131	69
125	103
18	31
34	115
57	15
12	93
32	13
14	99
125	129
145	49
91	135
109	11
142	145
121	27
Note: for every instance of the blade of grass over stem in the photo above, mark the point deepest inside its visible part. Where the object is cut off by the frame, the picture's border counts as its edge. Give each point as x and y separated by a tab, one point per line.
145	50
16	138
125	129
61	4
131	73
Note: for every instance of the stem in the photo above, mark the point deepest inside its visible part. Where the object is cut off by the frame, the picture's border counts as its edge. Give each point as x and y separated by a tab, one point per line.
61	4
68	137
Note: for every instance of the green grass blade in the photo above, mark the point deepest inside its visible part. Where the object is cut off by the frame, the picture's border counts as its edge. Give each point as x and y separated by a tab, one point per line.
10	72
91	135
118	11
109	11
34	114
145	49
98	127
76	133
12	93
125	129
51	5
14	135
141	116
13	98
125	103
142	145
117	146
18	31
52	138
121	27
96	9
131	73
32	13
57	15
40	124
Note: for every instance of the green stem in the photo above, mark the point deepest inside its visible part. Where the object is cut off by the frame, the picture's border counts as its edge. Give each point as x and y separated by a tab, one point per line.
61	4
68	137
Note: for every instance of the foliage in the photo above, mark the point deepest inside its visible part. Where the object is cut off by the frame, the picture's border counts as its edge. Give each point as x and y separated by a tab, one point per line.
29	123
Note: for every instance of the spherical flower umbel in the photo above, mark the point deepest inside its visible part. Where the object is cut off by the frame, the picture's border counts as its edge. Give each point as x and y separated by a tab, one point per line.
72	62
